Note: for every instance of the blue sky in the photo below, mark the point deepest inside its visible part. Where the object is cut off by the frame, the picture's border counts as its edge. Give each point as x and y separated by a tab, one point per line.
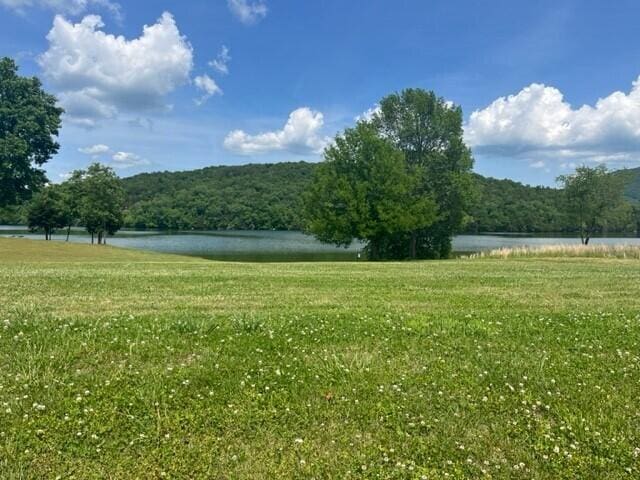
544	86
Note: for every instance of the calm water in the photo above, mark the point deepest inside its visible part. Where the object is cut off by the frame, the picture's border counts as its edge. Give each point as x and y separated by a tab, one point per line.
284	246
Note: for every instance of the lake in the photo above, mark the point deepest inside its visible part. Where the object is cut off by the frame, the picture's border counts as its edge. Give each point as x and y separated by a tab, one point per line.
273	246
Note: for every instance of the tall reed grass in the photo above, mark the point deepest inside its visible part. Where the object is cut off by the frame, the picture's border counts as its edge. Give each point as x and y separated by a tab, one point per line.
591	251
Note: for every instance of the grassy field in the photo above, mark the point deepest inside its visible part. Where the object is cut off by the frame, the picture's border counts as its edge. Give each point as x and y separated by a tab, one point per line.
122	364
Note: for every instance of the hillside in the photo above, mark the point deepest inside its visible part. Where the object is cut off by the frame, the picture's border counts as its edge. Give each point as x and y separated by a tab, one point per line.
255	196
269	196
509	206
631	178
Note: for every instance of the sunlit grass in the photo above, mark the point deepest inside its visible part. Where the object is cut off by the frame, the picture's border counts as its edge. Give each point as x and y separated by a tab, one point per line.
124	364
587	251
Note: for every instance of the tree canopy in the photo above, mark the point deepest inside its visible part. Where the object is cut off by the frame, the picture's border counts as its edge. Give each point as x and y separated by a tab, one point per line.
47	211
365	190
101	200
29	123
591	193
417	137
269	196
428	130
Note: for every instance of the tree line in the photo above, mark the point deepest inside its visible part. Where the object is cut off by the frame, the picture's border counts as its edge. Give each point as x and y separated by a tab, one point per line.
92	198
400	181
270	196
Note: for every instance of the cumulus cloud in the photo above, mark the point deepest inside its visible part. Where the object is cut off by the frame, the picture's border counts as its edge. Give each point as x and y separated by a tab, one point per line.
208	87
301	134
538	122
71	7
99	74
221	63
95	149
368	114
247	11
127	160
119	159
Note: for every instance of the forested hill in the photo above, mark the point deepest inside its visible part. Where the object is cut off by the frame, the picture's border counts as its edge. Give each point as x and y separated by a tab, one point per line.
269	196
631	178
255	196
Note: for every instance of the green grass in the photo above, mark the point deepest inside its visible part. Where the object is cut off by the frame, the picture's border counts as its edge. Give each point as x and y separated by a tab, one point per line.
123	364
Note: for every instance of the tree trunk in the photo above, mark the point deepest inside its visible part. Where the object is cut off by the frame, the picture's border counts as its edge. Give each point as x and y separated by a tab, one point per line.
68	232
92	238
414	241
373	250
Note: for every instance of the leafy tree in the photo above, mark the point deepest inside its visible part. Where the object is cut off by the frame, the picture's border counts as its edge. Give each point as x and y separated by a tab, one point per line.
101	204
29	123
72	192
591	194
47	211
365	190
428	130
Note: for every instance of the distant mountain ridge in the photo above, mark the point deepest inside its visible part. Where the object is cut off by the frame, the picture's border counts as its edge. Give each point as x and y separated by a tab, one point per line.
269	196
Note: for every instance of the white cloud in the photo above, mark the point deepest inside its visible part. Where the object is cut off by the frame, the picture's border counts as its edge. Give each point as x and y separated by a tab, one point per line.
84	109
301	134
247	11
71	7
537	122
208	86
128	159
100	74
119	159
538	164
368	114
221	63
95	149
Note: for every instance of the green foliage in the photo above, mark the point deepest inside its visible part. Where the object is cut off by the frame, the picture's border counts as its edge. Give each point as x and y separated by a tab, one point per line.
96	196
426	133
428	130
47	211
591	194
29	121
508	206
13	214
247	197
265	197
630	177
365	190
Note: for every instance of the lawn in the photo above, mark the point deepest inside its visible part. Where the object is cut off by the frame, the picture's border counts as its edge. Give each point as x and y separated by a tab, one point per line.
123	364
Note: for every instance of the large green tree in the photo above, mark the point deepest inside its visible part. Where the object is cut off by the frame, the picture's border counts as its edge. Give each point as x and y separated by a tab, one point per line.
425	133
365	190
100	200
428	130
591	194
29	123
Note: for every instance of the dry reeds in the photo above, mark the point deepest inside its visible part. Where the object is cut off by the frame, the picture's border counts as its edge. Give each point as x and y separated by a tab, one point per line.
592	251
